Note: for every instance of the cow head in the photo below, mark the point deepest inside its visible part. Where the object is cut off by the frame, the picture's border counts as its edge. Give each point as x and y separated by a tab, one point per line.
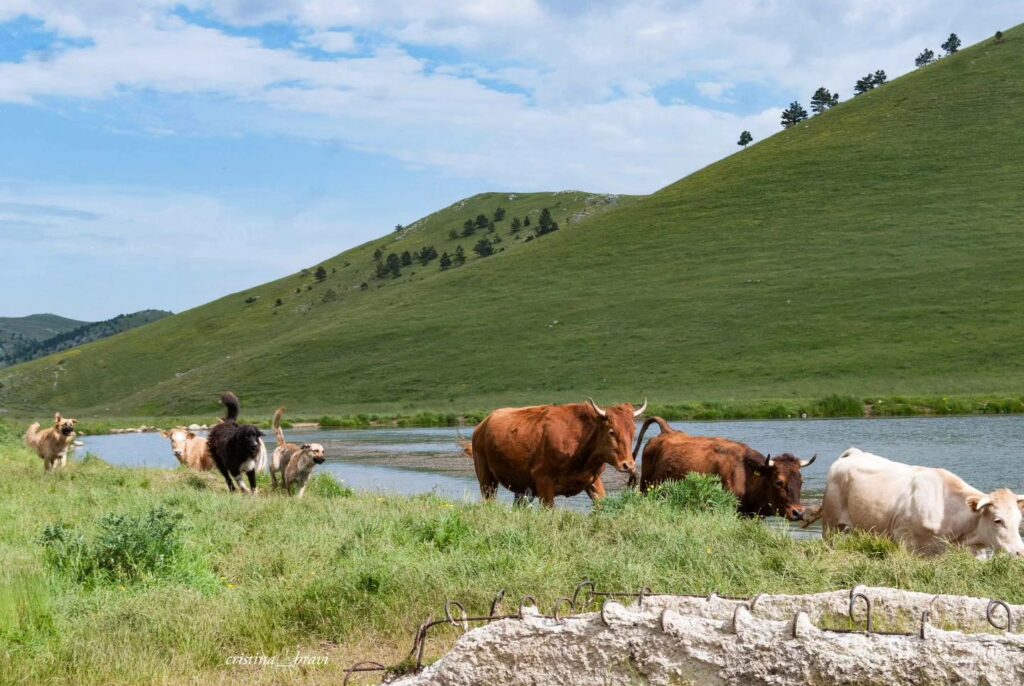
614	438
64	426
997	522
179	438
783	483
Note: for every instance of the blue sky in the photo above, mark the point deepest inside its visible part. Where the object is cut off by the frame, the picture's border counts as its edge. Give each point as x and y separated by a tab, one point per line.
162	154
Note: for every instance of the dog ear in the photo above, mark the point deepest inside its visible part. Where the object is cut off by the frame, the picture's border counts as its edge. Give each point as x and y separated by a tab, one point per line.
56	418
73	421
305	446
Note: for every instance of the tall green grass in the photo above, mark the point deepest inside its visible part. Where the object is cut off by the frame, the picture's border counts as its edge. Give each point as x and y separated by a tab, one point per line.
351	575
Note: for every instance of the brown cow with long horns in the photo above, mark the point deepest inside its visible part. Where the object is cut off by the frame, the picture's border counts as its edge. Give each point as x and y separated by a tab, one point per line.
552	450
764	485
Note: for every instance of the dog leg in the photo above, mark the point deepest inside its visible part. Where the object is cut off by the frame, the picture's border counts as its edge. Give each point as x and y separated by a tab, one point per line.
251	474
302	490
227	478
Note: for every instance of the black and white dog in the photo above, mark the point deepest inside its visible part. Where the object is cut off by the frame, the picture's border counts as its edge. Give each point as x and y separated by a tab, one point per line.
236	448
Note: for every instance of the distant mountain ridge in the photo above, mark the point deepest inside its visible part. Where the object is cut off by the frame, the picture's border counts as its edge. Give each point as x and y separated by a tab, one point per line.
38	335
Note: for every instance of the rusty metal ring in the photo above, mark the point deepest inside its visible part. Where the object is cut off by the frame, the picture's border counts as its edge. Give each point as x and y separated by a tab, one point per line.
494	604
711	596
926	617
589	585
854	591
867	603
604	606
645	591
992	604
558	604
364	666
753	602
792	628
420	642
451	620
527	600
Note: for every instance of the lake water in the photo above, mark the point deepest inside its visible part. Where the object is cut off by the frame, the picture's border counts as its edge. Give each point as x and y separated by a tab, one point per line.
986	451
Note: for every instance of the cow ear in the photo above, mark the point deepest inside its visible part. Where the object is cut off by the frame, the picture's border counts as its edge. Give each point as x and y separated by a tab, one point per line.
190	435
977	503
1020	501
165	434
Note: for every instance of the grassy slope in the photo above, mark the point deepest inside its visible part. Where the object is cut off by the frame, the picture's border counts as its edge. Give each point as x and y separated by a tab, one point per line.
38	327
872	250
352	576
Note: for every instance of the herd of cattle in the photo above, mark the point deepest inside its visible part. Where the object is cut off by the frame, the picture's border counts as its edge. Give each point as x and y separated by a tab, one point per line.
561	450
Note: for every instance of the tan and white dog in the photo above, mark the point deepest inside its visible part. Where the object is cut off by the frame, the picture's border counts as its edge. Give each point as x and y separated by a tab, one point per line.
190	450
300	467
284	452
52	445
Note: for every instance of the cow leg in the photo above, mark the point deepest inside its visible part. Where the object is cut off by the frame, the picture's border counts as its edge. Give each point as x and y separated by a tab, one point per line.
521	499
596	490
488	484
546	493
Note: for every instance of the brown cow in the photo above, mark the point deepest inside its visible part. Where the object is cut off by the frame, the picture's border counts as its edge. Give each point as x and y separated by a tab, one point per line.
765	486
552	450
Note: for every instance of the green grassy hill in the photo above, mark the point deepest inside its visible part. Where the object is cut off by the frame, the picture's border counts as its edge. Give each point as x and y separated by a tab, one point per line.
37	327
873	250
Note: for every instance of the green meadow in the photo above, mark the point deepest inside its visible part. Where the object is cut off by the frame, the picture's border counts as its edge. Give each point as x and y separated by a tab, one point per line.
124	576
870	252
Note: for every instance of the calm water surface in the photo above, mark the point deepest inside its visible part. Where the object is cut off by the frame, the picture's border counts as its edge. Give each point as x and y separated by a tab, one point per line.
986	451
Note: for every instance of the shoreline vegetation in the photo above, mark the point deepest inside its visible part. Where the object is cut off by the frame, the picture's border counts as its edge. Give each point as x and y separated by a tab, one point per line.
827	407
127	575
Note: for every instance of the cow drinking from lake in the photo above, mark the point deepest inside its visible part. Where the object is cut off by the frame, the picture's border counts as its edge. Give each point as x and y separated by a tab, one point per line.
552	450
764	485
926	508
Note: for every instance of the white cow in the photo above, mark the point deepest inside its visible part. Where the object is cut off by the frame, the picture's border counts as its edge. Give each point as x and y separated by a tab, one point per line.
924	507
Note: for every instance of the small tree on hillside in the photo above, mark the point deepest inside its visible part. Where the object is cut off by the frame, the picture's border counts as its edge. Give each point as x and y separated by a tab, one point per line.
745	139
516	225
864	85
952	44
999	36
546	224
320	274
793	115
446	261
460	256
926	57
499	214
526	220
406	259
453	234
427	254
468	229
398	227
823	100
483	248
879	78
378	255
393	265
482	221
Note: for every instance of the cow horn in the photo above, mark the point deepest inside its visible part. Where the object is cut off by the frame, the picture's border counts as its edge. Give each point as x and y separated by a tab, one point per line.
768	460
643	408
808	463
597	409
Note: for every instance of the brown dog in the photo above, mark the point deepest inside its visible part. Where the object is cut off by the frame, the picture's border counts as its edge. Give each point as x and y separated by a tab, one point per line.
284	451
300	467
52	444
191	450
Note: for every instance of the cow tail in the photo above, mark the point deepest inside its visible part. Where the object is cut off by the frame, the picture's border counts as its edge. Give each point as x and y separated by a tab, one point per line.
230	401
662	424
278	434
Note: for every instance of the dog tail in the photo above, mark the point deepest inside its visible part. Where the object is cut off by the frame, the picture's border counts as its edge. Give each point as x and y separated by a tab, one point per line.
230	401
32	434
278	434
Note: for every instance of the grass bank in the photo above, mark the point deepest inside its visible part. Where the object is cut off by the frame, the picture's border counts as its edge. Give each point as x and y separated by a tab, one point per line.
831	406
123	576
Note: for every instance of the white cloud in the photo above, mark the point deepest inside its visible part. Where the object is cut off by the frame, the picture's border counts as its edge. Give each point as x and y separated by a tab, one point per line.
332	41
569	87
